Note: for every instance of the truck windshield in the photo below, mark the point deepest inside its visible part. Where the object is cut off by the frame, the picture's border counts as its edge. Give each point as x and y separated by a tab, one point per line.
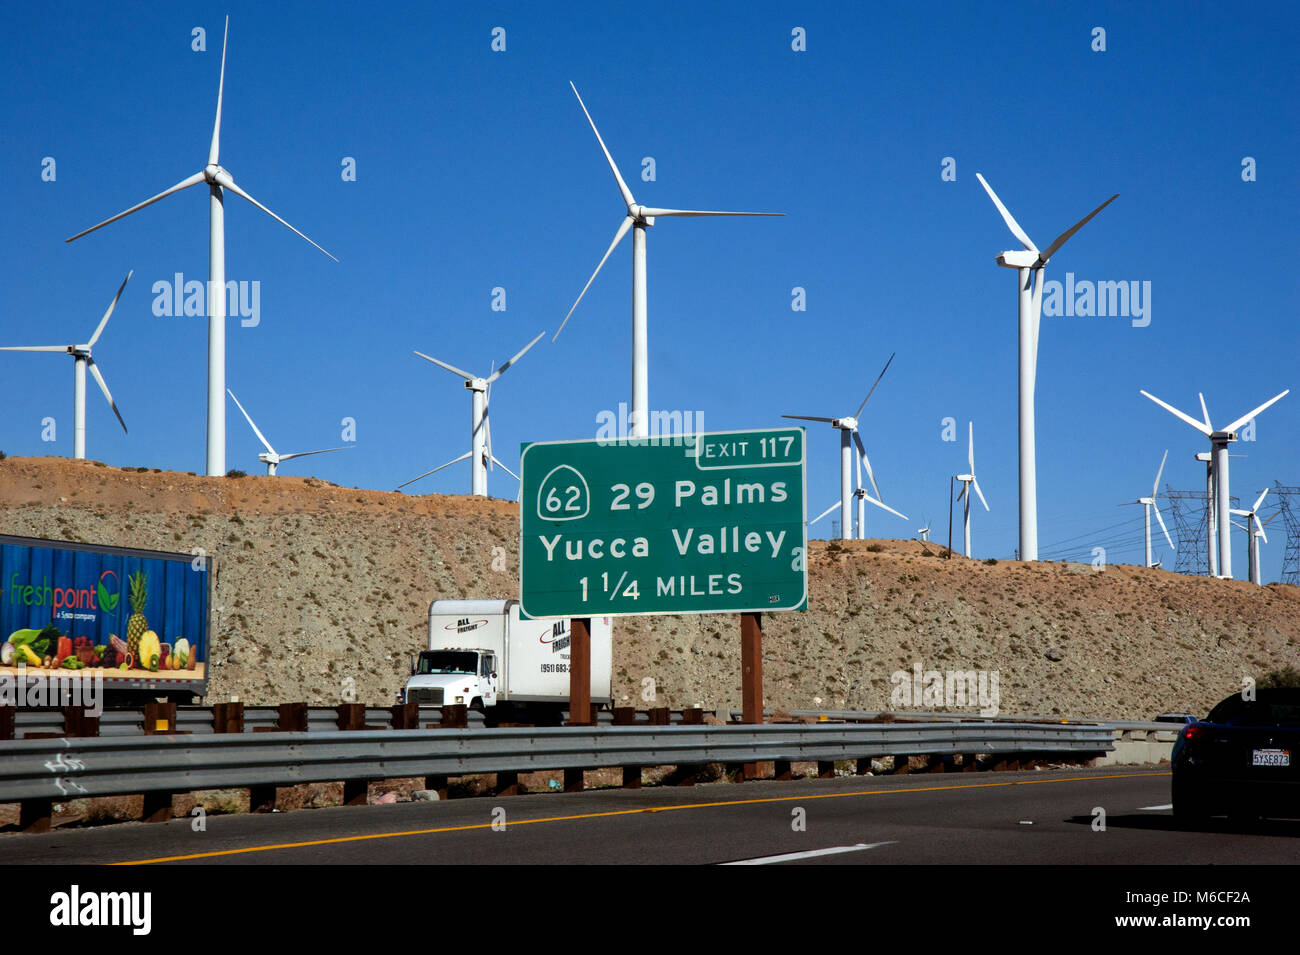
447	661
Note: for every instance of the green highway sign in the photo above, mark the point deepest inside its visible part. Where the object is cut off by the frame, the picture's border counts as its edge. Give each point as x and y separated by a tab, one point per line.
706	523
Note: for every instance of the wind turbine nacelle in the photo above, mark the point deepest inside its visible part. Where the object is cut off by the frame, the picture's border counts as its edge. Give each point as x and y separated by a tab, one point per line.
266	458
476	384
1203	456
965	478
848	424
1224	436
1023	259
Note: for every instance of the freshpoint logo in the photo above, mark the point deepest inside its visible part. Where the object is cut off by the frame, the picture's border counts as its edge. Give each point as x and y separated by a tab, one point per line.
75	907
66	598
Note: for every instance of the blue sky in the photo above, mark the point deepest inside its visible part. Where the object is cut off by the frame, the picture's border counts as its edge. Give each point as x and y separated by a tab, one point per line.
476	170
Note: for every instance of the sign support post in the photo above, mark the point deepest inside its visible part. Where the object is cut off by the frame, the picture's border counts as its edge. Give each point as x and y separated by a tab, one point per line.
580	671
751	676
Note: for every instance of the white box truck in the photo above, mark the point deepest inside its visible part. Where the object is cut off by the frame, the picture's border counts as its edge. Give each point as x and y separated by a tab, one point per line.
484	654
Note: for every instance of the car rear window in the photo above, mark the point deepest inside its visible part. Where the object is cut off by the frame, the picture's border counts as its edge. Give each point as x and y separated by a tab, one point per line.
1258	712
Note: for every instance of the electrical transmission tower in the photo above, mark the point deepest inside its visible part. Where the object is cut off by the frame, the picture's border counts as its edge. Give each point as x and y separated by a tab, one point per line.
1190	510
1288	501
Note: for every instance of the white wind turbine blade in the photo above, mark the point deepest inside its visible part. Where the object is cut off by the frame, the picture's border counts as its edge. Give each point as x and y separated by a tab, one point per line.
1161	521
970	448
1155	488
862	452
501	371
1240	526
1259	500
1065	236
1246	417
260	437
1204	410
1260	526
1007	217
62	349
824	513
442	364
618	237
804	417
193	180
303	454
965	486
506	469
975	483
99	330
884	506
1199	426
224	180
437	469
691	213
873	389
103	386
215	149
622	186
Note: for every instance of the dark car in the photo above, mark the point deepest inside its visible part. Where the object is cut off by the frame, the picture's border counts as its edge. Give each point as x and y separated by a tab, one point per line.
1241	759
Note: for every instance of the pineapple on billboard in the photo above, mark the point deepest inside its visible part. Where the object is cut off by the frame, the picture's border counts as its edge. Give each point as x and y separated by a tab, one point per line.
136	619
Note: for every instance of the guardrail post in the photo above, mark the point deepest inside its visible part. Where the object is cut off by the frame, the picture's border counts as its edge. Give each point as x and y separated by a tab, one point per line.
77	723
261	798
825	769
293	718
902	764
969	763
574	780
455	716
34	815
159	718
631	777
8	719
356	792
580	672
352	716
660	716
157	807
438	783
228	718
507	784
693	717
780	770
406	716
863	767
624	716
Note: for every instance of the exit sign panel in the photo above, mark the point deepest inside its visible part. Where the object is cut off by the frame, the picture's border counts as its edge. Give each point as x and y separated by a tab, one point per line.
709	523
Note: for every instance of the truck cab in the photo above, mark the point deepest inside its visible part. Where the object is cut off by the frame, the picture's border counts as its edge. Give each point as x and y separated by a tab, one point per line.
451	676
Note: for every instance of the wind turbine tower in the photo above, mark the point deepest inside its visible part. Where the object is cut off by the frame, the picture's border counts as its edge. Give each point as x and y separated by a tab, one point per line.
219	182
1029	265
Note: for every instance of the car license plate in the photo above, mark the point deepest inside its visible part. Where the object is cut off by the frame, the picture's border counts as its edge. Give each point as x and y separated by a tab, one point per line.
1270	757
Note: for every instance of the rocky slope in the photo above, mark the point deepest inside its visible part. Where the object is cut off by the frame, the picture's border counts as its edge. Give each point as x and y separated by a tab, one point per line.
318	583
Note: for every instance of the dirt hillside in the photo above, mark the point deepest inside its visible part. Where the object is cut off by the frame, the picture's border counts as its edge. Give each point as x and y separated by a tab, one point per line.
317	583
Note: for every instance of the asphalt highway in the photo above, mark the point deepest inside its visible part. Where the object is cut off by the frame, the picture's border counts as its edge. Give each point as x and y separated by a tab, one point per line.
1038	817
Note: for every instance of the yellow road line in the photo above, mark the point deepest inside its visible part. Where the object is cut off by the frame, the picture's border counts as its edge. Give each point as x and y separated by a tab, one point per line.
630	812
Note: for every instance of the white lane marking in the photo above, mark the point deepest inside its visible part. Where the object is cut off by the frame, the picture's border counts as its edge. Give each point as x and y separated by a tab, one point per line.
812	853
1155	808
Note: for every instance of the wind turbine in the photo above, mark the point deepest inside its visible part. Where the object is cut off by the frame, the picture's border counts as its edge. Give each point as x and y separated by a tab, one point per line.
848	428
81	361
967	482
1029	265
481	433
218	181
1219	441
861	495
1255	533
925	531
270	457
638	219
1148	505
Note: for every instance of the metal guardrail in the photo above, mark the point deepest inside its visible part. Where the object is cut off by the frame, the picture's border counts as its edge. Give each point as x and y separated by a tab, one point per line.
949	716
67	768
